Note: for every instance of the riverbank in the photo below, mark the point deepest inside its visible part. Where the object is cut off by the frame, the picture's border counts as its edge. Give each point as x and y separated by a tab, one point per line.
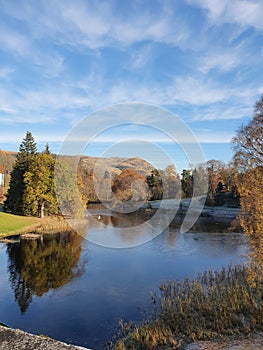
15	225
15	339
251	342
12	225
209	214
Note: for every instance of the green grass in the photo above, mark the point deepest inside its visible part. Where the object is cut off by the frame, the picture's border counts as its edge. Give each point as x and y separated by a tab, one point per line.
215	304
12	224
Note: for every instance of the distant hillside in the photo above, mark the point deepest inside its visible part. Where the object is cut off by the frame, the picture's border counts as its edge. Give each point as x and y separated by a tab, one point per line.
7	160
115	165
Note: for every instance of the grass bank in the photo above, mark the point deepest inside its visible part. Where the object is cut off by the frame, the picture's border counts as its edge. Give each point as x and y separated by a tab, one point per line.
212	306
14	224
11	225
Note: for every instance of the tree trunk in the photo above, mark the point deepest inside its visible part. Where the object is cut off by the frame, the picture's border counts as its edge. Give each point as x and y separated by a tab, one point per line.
42	210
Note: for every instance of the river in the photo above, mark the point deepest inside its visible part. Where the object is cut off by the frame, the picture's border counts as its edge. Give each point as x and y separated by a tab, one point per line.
73	290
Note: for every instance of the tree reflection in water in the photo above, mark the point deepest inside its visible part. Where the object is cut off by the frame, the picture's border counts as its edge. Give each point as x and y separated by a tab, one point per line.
38	265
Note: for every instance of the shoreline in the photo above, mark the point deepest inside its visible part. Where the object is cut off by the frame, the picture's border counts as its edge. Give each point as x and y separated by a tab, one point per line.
47	225
253	341
56	224
16	339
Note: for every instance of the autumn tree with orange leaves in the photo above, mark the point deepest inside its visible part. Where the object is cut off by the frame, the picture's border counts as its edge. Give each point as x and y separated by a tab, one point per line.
129	185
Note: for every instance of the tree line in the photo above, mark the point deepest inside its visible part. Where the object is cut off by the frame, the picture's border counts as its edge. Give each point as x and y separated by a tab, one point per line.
32	188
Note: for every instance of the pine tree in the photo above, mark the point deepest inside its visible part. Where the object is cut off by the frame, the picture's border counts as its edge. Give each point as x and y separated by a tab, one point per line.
27	150
187	183
47	150
155	184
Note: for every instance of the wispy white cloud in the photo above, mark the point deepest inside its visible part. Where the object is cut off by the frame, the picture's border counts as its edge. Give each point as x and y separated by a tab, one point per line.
68	59
246	13
95	24
5	72
141	57
51	63
224	113
71	101
13	41
198	91
201	136
242	12
224	61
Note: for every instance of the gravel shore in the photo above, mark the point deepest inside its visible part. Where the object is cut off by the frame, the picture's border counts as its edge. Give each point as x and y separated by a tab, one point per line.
15	339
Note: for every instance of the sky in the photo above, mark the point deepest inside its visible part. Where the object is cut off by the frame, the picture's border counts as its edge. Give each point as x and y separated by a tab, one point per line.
62	61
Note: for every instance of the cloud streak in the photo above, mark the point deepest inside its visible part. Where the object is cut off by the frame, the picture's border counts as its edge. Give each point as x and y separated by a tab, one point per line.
242	12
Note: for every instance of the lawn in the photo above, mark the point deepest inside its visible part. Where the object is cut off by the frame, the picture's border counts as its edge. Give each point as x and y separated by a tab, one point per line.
12	224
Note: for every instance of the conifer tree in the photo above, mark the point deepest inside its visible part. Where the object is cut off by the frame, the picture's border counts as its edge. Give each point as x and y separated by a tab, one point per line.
155	184
47	150
27	150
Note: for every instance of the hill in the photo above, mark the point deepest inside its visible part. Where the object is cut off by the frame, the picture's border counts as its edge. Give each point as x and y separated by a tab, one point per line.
111	166
7	160
115	165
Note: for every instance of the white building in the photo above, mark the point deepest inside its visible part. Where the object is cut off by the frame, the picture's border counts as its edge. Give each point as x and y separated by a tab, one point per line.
2	180
2	176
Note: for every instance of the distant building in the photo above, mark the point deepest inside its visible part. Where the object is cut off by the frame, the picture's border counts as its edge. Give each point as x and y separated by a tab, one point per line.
2	176
2	182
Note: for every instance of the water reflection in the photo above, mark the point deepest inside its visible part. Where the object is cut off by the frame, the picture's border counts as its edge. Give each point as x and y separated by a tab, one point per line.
38	265
119	220
120	230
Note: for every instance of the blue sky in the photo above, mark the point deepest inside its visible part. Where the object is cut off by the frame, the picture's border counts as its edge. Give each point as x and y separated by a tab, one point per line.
62	60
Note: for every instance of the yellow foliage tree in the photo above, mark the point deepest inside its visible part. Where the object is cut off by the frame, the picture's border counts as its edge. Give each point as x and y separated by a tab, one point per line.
249	176
251	219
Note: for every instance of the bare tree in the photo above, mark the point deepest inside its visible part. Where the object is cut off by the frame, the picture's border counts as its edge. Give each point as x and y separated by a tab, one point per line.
248	142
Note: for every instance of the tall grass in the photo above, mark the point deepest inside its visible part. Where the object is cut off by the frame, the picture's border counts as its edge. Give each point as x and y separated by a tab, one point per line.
213	305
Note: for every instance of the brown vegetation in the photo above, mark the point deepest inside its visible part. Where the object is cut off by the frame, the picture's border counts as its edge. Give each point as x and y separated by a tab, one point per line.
212	306
130	185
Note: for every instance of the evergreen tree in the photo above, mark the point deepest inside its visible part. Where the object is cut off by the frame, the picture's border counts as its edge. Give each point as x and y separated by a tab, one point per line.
155	184
27	150
47	150
187	183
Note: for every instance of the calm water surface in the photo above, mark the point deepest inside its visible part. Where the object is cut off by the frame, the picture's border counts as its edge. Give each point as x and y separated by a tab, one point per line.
75	291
